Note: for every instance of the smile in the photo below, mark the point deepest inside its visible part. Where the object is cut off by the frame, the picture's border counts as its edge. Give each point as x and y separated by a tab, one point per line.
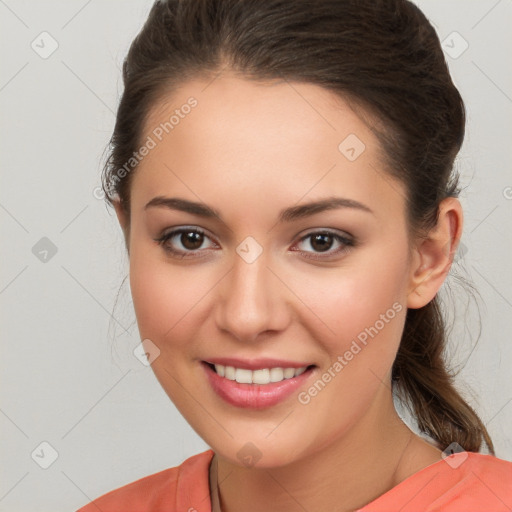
258	388
261	376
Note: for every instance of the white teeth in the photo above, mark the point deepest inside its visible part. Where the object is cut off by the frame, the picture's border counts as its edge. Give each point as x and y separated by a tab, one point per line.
289	373
276	374
263	376
243	376
298	371
229	372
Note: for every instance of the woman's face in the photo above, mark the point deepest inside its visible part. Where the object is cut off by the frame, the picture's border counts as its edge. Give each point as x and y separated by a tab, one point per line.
325	288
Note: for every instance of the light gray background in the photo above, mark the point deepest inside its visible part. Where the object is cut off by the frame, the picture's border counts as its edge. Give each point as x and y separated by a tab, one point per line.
68	373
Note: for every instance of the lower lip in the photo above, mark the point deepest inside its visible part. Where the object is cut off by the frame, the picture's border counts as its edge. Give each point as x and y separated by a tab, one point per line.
254	396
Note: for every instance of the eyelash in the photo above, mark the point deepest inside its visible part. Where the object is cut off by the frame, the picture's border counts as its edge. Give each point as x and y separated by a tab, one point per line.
347	243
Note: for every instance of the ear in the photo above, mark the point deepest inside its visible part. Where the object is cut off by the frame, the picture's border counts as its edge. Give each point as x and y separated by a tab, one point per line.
433	255
122	217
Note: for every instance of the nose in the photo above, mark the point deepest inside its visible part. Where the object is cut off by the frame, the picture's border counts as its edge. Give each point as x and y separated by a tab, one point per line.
251	301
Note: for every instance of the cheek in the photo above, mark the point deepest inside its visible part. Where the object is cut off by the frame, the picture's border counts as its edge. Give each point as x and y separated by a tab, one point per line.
365	312
167	301
165	297
359	302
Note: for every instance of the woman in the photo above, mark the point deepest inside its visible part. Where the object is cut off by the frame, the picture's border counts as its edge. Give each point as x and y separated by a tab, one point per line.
283	175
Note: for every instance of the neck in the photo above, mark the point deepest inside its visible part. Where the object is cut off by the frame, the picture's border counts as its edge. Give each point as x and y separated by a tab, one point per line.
374	456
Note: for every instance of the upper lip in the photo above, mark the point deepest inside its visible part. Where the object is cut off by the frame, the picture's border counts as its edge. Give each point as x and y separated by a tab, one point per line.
256	363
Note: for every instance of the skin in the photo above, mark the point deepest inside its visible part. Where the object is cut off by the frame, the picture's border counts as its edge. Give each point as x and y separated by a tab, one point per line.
249	150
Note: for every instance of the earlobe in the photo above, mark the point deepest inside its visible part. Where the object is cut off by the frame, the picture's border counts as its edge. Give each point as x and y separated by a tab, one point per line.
433	255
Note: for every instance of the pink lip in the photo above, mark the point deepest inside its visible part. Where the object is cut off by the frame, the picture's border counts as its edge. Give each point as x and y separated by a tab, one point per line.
254	396
255	364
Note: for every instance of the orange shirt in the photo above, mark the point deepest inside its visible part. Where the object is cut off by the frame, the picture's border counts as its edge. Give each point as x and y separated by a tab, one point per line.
464	482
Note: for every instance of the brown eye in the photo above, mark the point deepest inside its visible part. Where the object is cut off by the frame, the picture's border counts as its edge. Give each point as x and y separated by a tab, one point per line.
192	240
325	244
185	242
322	242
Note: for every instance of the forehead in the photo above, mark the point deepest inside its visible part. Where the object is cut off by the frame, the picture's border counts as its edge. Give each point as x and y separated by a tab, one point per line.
234	112
276	140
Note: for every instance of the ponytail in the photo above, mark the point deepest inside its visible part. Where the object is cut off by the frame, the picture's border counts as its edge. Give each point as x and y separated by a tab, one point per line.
421	378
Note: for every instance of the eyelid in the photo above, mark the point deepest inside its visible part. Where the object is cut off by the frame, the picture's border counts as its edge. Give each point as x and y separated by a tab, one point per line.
328	231
167	233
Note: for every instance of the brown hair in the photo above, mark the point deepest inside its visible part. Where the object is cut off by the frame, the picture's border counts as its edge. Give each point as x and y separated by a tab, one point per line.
381	54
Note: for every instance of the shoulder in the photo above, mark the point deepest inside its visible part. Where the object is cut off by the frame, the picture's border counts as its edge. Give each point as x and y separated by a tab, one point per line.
481	463
481	475
462	482
184	487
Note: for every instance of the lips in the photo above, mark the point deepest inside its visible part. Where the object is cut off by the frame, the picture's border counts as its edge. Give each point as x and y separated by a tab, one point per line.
262	385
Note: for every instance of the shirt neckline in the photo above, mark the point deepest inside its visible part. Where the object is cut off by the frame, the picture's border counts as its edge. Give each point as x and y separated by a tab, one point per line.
214	492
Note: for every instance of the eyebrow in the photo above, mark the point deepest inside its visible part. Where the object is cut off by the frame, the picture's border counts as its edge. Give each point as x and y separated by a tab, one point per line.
287	215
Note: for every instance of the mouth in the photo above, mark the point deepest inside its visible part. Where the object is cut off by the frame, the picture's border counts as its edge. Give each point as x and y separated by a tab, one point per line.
258	388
